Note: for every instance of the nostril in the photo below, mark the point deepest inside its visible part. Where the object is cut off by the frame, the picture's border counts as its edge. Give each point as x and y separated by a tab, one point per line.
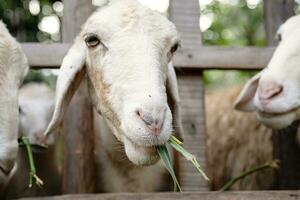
268	93
146	117
153	123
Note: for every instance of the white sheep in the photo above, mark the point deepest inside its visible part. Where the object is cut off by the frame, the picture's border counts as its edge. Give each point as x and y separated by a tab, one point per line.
13	68
125	49
236	143
36	105
274	93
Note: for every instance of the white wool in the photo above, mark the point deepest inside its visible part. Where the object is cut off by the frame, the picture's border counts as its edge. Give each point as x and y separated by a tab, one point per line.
13	68
236	143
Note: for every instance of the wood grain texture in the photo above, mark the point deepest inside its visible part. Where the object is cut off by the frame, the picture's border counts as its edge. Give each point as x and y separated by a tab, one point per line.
276	12
185	15
223	58
45	55
228	58
270	195
287	151
79	170
191	89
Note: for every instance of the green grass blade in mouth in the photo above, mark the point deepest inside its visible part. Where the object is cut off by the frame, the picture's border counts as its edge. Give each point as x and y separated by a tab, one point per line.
164	155
177	145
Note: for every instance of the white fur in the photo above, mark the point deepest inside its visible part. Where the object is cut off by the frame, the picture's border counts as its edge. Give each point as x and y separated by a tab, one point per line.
127	72
13	68
237	142
115	173
36	106
283	69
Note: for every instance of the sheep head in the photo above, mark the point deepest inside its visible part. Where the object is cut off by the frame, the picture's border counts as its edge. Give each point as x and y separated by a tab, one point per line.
274	93
125	49
13	68
36	105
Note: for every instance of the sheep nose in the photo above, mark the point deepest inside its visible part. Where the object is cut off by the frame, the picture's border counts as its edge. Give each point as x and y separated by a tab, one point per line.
7	165
269	91
153	122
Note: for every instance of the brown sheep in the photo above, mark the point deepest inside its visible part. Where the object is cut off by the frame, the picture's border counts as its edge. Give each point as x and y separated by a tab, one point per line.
236	143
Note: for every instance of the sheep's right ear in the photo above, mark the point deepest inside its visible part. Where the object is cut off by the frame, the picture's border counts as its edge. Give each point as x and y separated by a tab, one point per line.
245	100
70	75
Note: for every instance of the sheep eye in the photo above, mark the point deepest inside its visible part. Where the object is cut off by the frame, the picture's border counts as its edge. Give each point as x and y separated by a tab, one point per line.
92	41
174	48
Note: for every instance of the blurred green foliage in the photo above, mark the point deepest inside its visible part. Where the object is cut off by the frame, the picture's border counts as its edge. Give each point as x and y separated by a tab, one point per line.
234	23
24	26
21	23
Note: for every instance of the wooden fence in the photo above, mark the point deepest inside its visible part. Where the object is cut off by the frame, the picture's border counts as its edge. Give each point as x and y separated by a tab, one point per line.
192	59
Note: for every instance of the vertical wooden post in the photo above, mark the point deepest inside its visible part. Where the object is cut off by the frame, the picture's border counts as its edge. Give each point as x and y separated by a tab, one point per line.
286	148
185	15
275	13
79	165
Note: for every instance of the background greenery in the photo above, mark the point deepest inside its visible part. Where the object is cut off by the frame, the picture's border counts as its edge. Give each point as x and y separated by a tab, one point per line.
224	23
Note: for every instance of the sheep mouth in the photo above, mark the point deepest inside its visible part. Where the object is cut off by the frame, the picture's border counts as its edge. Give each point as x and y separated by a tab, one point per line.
140	155
141	146
147	144
265	114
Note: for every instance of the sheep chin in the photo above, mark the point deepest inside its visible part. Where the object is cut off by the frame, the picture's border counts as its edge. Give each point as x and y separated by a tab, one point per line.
277	121
140	155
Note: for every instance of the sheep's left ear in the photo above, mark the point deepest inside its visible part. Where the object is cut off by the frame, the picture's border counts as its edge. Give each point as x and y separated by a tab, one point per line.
71	73
245	100
174	101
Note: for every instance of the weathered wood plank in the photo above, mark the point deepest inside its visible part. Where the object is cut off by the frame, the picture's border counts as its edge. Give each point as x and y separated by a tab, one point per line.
275	13
79	170
270	195
286	148
223	58
185	15
45	55
51	55
191	89
287	151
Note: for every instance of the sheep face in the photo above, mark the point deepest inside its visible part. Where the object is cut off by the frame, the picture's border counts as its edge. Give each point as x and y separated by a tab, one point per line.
13	68
275	92
126	49
36	105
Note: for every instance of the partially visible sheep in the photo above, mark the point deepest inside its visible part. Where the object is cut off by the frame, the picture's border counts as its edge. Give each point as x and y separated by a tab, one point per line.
125	49
36	105
274	93
236	143
13	68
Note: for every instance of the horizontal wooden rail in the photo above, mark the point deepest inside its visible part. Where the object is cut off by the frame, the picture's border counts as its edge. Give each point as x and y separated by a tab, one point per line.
249	195
224	58
51	55
45	55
